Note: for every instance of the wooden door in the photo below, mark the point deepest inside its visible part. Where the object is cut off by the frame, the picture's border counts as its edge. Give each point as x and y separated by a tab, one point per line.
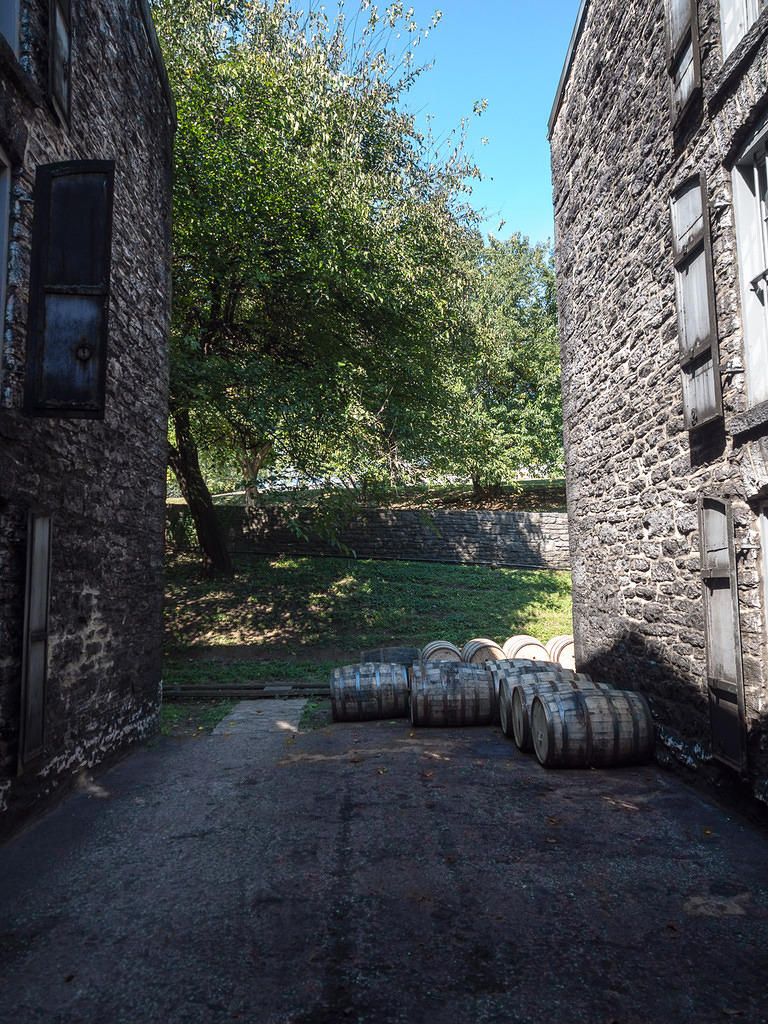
725	681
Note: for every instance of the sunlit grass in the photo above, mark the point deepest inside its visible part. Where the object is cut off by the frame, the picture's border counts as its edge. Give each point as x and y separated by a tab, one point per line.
292	615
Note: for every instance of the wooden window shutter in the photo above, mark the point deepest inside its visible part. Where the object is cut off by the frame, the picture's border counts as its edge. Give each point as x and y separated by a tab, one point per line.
683	61
725	682
60	55
35	651
69	290
694	292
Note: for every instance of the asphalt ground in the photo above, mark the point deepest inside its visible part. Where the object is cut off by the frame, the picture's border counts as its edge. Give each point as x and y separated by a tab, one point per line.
377	873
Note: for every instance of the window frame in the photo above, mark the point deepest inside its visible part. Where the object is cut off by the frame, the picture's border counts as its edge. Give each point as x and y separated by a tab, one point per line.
6	172
750	210
697	243
751	11
62	104
45	292
676	51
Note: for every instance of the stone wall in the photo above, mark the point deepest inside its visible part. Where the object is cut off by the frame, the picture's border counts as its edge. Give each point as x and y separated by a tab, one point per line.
103	481
634	473
535	539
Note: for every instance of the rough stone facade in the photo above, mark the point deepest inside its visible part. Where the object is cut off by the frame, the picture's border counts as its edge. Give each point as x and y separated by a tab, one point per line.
102	480
525	539
635	473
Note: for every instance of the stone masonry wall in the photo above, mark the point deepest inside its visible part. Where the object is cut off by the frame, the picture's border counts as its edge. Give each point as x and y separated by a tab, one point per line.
102	481
538	540
633	471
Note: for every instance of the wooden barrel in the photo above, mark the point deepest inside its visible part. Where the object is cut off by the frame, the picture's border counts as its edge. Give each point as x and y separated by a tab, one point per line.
369	690
521	692
440	650
561	650
452	695
591	728
514	671
391	655
480	650
524	646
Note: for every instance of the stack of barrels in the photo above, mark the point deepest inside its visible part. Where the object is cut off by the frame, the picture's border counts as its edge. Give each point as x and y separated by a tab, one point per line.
542	703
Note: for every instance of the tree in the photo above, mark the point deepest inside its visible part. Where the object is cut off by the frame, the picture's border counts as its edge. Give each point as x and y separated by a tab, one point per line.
504	413
320	243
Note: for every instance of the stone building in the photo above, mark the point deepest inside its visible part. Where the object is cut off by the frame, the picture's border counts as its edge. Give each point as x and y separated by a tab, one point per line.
659	138
86	131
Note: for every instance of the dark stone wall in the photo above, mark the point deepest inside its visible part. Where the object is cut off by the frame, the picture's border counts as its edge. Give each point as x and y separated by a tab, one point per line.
535	539
102	481
633	471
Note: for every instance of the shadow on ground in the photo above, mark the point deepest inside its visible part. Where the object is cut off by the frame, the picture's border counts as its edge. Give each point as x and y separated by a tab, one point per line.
378	874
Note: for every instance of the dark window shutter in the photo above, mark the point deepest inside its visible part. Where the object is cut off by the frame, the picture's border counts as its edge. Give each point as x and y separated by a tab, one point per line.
69	290
60	54
696	323
683	61
725	682
35	653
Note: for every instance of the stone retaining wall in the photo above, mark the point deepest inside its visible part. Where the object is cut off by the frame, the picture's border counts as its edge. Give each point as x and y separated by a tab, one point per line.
535	539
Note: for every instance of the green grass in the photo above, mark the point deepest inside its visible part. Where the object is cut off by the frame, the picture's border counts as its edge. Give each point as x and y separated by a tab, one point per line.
295	618
190	717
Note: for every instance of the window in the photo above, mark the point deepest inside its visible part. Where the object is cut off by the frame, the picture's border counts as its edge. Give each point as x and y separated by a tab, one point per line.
725	683
69	290
9	23
59	56
35	656
682	55
697	336
763	521
750	200
5	216
736	16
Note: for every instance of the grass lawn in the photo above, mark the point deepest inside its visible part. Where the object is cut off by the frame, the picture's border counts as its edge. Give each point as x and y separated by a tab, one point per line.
295	618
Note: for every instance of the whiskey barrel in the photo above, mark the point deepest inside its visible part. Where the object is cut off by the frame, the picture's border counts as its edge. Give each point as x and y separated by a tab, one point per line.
440	650
390	655
369	690
591	728
522	691
480	650
514	671
452	694
524	646
560	649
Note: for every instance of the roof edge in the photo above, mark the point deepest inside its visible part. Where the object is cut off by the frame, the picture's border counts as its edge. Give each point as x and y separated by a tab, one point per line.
157	53
567	66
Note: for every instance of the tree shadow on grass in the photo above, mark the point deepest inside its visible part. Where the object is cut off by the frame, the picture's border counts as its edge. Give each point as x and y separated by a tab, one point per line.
293	607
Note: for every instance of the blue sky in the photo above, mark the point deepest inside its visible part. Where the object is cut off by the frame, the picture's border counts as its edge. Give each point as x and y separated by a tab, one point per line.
511	53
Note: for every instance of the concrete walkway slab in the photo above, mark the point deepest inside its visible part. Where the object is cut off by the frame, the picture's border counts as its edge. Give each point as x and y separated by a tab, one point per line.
378	874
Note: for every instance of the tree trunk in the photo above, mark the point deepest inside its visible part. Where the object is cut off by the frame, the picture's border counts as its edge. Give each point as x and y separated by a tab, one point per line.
185	464
250	465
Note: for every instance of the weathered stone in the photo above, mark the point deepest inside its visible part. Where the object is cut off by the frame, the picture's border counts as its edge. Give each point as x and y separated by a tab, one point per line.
616	160
101	480
535	539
